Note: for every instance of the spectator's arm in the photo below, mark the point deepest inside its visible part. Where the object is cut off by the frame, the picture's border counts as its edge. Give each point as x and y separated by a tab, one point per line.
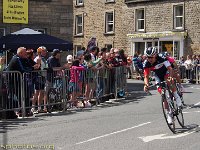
94	63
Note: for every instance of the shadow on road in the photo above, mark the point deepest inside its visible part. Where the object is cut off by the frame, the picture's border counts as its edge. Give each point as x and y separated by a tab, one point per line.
12	124
189	128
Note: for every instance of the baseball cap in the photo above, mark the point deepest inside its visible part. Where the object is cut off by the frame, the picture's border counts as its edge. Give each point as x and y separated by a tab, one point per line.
79	53
69	58
55	52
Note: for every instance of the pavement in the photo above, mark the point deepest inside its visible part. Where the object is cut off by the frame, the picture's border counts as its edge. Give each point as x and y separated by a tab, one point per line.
134	123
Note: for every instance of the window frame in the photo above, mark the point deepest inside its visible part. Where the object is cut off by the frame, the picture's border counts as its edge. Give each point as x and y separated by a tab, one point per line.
76	25
107	45
4	31
109	1
137	20
174	7
111	22
43	31
76	48
79	4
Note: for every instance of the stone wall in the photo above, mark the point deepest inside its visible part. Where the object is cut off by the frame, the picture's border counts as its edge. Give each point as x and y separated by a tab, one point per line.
159	18
56	16
94	20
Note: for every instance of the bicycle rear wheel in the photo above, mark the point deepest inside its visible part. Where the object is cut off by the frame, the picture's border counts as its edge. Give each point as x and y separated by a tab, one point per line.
165	113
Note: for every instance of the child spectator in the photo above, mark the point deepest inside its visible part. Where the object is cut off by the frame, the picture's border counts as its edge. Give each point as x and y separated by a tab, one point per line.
74	78
90	77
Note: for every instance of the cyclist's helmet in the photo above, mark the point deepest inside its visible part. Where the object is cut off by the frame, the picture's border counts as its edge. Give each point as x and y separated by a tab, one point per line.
150	51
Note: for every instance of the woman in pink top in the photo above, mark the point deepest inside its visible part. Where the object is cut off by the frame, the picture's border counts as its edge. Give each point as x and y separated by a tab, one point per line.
75	71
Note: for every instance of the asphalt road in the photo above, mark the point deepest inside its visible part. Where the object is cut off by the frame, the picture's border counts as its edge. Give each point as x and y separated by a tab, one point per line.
136	123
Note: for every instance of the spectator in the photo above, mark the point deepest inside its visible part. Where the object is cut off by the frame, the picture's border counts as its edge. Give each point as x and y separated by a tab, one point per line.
54	60
138	66
40	92
102	72
80	54
188	65
41	57
112	60
181	61
74	78
182	67
69	60
90	77
94	52
194	69
20	63
129	66
91	43
122	58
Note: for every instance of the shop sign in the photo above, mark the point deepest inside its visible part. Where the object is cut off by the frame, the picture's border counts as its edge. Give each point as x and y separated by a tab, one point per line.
150	39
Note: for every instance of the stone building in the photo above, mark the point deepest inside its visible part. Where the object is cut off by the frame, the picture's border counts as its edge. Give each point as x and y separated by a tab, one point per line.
53	17
170	25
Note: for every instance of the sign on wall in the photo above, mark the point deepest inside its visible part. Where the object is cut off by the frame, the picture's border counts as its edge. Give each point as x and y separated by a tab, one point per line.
15	11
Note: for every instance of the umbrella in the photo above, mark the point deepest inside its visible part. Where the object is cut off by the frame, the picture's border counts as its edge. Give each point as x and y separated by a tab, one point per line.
33	39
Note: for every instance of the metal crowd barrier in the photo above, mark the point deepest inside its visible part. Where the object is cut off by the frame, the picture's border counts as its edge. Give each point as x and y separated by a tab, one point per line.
191	75
11	93
54	90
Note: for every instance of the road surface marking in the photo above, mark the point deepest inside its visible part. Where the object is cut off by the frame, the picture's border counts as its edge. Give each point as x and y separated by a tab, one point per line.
116	132
191	112
195	88
164	136
197	104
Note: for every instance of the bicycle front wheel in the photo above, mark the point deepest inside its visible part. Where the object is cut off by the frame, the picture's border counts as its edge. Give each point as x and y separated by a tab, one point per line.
165	108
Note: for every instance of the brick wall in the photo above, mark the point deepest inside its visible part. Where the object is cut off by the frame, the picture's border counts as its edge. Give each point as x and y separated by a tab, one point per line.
159	17
56	16
94	23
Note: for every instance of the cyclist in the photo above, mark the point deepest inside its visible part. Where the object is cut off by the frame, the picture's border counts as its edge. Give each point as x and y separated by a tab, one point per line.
163	71
175	69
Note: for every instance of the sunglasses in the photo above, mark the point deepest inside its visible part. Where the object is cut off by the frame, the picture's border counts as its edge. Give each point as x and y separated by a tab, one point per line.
150	57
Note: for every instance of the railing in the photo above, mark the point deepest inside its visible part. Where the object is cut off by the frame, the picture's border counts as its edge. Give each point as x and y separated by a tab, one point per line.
58	90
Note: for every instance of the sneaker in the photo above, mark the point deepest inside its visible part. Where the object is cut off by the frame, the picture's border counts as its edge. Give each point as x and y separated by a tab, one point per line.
18	114
87	104
34	111
80	104
169	119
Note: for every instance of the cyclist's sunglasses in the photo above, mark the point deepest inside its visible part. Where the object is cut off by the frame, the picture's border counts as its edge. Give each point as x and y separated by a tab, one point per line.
150	57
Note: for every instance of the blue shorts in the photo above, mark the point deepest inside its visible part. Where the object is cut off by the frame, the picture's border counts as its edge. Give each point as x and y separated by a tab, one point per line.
73	87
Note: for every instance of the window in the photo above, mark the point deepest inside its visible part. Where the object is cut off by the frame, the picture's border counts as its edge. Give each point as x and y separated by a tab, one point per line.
79	2
108	46
77	48
109	1
43	31
137	1
2	32
79	25
109	22
178	16
140	20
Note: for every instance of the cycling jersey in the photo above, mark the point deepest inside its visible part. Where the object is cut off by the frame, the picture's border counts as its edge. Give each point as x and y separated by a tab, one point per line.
159	67
169	58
